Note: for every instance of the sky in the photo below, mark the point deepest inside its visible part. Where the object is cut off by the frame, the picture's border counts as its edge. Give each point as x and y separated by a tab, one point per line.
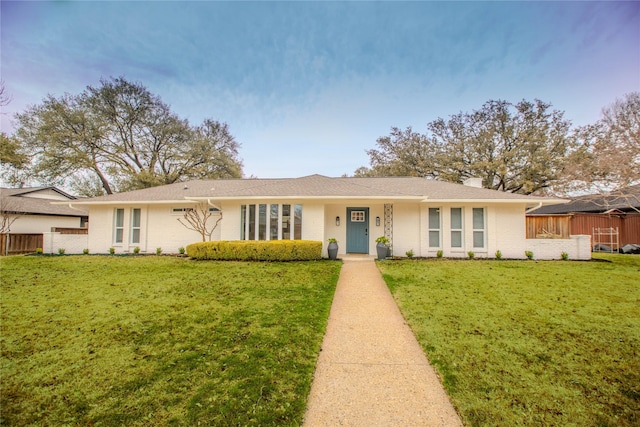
308	87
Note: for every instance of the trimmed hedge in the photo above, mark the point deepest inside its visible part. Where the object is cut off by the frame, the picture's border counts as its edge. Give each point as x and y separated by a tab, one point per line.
256	250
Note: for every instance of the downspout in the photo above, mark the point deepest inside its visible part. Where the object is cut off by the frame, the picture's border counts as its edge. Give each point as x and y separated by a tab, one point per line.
534	208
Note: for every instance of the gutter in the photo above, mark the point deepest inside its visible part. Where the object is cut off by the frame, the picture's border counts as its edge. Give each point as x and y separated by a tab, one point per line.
533	208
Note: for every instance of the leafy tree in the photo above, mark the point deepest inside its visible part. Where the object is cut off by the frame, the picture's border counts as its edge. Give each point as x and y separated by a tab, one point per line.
518	148
117	137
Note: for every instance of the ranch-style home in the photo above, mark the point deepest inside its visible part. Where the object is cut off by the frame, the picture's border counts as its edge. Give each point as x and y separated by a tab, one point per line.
415	214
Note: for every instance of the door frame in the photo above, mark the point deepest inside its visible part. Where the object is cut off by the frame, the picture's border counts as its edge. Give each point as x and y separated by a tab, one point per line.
363	239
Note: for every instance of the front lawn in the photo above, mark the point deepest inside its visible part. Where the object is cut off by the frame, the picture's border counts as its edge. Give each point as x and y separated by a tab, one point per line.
529	342
98	340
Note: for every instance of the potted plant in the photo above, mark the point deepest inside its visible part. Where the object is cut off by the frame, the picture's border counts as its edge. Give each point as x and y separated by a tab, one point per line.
382	247
332	249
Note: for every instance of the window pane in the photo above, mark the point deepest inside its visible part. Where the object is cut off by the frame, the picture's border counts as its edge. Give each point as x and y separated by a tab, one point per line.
243	222
273	223
119	217
286	222
135	235
135	218
456	239
119	233
478	218
434	218
434	239
262	227
297	224
456	218
252	222
478	239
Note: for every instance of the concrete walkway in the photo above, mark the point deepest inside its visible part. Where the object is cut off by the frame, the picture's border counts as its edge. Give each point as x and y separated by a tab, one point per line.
371	370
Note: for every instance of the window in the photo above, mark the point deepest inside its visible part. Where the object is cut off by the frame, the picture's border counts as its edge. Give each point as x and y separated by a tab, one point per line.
273	222
270	222
252	222
434	227
119	226
456	227
478	227
357	216
286	222
262	222
181	211
297	222
135	225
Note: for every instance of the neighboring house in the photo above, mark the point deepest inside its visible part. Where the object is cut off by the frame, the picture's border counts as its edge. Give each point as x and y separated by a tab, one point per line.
417	214
593	215
30	210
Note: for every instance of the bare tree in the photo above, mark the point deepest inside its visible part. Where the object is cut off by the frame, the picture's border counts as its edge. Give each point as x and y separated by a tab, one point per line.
10	211
5	98
197	219
608	158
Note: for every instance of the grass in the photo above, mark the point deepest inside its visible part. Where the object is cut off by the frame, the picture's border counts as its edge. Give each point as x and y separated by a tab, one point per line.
529	342
159	340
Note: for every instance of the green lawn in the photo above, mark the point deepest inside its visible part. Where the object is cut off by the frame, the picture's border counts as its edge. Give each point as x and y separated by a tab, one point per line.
529	342
99	340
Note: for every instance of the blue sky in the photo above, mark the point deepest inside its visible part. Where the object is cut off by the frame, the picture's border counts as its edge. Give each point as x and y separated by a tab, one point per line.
307	87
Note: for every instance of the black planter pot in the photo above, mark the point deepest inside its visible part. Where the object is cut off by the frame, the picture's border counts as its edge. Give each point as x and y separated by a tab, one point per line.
382	250
332	249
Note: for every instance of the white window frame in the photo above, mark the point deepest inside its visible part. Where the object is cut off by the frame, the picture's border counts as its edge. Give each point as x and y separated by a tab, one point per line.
135	228
435	230
245	225
482	230
118	227
457	230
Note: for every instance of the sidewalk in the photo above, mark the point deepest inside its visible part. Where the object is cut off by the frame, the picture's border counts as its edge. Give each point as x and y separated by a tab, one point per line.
371	370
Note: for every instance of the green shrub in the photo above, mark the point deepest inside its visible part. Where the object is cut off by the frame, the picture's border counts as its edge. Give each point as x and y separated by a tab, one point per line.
181	250
409	253
498	254
112	250
136	250
61	251
529	254
439	253
565	256
158	251
85	251
256	250
39	251
471	254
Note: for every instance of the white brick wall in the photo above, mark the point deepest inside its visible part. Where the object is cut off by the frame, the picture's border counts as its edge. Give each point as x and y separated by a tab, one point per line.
71	243
504	230
577	247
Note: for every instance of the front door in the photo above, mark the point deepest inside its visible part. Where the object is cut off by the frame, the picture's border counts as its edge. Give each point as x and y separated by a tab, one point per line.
357	230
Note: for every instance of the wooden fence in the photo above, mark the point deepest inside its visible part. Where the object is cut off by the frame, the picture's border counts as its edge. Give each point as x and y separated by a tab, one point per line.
549	226
14	244
628	225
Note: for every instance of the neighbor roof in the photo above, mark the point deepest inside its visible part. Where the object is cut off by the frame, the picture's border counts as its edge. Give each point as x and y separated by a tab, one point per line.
17	201
625	200
316	187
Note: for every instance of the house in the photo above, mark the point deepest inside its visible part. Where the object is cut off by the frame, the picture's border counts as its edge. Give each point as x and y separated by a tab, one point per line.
29	220
417	214
612	219
30	210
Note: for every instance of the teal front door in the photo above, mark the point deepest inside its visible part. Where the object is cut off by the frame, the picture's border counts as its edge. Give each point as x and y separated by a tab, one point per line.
357	230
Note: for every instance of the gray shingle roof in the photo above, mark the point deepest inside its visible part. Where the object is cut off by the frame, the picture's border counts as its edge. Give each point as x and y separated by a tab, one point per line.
316	186
16	200
625	200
